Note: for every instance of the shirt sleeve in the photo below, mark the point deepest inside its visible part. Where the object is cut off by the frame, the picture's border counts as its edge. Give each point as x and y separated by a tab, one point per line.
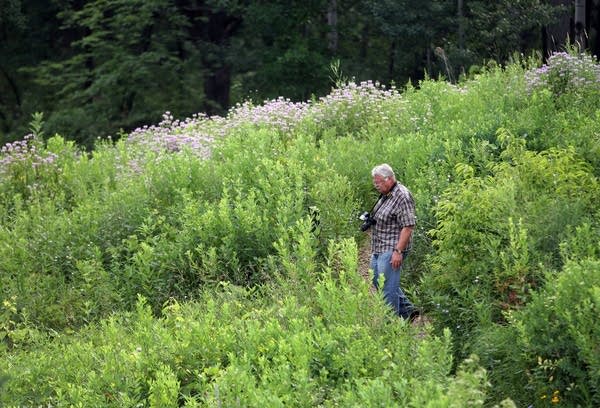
406	210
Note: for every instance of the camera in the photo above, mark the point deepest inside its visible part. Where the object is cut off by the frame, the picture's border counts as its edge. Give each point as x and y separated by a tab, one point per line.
368	221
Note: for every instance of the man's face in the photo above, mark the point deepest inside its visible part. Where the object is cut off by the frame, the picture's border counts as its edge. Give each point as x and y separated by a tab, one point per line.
383	184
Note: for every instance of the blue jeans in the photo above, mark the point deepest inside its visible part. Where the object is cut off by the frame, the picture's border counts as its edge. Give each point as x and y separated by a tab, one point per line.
392	293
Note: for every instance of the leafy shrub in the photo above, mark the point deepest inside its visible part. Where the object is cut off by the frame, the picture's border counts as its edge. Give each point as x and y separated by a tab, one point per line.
28	169
494	231
502	356
565	96
352	108
269	352
549	353
560	333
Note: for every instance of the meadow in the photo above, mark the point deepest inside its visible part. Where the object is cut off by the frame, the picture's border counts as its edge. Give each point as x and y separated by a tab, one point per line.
214	261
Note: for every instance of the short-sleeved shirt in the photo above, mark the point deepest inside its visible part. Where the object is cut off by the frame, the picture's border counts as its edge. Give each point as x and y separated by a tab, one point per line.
393	211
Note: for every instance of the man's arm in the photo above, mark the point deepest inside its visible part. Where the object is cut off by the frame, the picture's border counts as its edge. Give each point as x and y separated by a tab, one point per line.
405	234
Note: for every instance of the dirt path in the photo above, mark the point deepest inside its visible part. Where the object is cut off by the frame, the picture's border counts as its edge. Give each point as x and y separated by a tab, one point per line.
364	259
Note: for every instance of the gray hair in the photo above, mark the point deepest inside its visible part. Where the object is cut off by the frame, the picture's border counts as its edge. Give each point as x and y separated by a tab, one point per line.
383	170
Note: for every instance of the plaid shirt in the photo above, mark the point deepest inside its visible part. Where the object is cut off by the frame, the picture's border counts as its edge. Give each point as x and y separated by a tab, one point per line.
393	211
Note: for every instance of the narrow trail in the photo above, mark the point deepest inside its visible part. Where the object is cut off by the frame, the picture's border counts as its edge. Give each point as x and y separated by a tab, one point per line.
364	259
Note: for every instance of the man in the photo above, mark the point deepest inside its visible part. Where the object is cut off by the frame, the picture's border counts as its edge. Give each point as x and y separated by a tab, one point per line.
391	239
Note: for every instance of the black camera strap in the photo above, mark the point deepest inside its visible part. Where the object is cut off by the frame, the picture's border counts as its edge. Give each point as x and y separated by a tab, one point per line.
380	201
373	210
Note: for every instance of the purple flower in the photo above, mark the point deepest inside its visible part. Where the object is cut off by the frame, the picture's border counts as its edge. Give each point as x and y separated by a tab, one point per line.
565	73
26	153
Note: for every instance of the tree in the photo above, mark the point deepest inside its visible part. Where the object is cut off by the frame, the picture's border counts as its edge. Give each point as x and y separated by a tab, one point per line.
128	60
414	28
332	18
211	27
497	29
12	21
556	33
284	49
97	66
22	46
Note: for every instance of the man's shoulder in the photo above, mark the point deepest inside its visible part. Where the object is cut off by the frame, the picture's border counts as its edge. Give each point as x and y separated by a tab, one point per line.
401	190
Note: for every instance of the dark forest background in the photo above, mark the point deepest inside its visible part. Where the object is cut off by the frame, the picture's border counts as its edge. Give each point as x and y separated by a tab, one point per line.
103	67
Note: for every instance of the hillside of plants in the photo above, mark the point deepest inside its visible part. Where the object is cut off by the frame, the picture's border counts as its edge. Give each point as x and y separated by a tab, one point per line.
214	261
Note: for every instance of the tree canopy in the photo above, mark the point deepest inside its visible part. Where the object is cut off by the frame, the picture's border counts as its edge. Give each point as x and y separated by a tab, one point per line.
101	66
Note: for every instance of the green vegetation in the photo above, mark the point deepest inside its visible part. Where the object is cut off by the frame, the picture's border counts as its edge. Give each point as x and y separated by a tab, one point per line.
213	261
104	67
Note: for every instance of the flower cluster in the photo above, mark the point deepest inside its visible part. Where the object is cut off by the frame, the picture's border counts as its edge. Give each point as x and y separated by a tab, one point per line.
281	114
354	101
344	105
555	399
173	136
564	72
24	151
366	91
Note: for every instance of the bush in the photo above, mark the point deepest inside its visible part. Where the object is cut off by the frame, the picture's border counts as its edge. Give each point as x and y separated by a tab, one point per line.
548	355
566	74
559	333
277	351
495	231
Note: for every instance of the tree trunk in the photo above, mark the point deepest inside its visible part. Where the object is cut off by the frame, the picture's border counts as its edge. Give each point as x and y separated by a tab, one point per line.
461	25
580	25
594	26
212	30
13	86
391	60
555	35
332	35
217	82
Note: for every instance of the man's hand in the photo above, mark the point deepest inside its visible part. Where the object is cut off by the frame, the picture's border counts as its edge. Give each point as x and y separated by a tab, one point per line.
397	259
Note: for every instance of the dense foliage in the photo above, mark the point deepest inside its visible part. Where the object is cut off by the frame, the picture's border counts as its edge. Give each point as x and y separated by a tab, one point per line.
97	67
213	261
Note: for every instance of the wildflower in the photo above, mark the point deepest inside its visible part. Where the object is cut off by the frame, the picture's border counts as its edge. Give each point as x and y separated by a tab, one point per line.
23	154
564	72
555	397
